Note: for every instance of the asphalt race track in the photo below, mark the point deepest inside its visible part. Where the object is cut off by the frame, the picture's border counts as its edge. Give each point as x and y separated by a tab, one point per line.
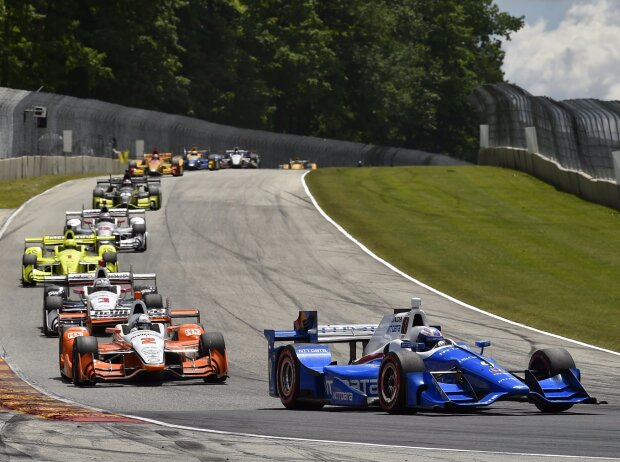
249	249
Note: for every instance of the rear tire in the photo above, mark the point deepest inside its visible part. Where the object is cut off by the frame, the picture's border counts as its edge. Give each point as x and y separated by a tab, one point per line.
153	301
110	257
287	379
51	303
82	346
548	363
392	382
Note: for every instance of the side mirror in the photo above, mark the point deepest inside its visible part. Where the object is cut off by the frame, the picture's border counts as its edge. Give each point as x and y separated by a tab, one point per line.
482	344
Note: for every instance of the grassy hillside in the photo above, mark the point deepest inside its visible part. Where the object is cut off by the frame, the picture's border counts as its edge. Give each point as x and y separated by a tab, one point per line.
14	193
495	238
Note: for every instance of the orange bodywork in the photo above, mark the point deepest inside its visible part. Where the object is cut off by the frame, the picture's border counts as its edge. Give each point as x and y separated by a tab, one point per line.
118	361
166	164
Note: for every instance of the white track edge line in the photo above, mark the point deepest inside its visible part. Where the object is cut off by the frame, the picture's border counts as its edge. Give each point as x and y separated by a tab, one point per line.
432	289
355	443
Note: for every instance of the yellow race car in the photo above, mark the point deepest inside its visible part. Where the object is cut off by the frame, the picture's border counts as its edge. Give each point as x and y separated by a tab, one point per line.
60	255
157	164
299	164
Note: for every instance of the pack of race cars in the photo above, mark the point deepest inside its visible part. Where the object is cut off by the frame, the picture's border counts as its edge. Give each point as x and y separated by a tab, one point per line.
88	292
406	365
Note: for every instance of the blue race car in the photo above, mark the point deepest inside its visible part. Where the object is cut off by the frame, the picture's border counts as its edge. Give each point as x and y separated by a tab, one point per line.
408	365
196	159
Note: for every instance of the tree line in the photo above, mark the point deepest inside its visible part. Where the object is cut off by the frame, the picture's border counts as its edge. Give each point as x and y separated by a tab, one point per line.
392	72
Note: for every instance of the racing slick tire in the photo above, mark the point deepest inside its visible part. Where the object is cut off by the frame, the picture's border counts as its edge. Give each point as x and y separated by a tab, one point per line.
28	260
547	363
392	382
83	346
287	380
110	257
153	301
212	341
51	303
139	228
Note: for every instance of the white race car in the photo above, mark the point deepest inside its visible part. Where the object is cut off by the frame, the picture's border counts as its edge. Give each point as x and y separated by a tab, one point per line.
240	158
128	227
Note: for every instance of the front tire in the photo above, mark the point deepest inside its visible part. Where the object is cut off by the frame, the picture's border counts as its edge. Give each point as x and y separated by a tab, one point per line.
548	363
82	347
393	379
212	341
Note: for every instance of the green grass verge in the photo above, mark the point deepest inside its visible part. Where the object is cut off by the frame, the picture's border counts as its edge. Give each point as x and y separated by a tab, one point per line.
494	238
14	193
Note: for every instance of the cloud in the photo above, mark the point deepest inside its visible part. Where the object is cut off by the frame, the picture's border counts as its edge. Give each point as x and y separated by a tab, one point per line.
578	59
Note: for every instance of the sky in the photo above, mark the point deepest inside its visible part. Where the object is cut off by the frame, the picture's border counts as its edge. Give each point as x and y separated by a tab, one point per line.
567	48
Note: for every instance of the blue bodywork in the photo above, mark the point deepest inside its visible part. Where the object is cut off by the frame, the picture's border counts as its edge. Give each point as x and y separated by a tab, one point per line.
196	163
454	375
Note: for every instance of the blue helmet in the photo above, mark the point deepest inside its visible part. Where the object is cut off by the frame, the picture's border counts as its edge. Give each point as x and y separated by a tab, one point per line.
429	336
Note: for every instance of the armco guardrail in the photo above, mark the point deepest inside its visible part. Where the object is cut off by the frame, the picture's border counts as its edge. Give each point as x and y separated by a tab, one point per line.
28	166
574	144
98	128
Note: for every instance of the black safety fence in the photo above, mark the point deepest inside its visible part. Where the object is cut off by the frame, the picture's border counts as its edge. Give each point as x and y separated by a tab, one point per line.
579	134
43	124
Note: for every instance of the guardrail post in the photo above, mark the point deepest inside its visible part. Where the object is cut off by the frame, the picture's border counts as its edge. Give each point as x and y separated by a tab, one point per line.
531	139
67	141
484	136
139	149
616	159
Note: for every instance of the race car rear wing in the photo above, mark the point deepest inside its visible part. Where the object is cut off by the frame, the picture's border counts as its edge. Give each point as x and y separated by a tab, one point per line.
81	279
59	240
95	213
307	330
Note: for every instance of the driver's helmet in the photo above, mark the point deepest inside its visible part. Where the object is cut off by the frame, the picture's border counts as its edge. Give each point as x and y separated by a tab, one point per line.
74	223
194	149
143	322
430	337
69	243
105	214
126	182
102	284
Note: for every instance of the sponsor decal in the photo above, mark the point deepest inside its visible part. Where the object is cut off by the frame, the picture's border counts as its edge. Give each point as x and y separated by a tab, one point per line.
305	351
148	340
343	396
190	332
403	330
365	386
75	334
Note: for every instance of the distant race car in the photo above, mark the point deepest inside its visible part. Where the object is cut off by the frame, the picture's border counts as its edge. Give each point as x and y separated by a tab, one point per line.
239	158
127	227
408	365
143	347
299	164
215	161
157	164
103	299
196	159
60	255
126	192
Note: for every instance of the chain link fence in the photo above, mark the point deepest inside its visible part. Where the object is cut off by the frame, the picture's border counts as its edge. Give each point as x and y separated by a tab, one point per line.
579	135
100	129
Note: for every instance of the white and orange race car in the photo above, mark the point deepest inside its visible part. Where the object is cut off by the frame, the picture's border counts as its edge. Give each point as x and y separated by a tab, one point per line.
142	347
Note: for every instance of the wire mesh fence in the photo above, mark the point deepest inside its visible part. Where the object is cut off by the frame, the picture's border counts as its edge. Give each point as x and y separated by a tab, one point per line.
578	134
101	129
